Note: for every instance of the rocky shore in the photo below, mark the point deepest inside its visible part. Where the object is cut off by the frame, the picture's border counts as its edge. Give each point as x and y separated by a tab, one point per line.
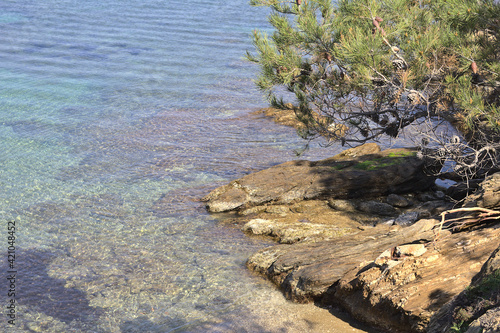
362	230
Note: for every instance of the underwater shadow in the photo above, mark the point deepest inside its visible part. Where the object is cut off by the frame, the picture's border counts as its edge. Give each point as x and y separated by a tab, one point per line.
39	291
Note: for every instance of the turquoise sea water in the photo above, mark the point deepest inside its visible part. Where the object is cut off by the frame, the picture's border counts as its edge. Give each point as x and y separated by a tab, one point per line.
115	117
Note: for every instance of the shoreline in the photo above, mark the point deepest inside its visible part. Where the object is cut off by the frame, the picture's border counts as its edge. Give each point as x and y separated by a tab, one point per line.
300	225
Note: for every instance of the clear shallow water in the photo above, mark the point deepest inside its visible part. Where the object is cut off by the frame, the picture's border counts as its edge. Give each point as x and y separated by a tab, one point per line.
115	116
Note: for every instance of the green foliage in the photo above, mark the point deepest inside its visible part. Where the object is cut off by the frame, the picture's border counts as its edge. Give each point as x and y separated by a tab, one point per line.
359	69
402	154
375	164
476	300
458	327
487	286
373	55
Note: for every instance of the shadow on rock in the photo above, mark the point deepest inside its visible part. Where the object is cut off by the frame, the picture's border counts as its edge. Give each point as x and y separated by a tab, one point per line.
437	298
345	316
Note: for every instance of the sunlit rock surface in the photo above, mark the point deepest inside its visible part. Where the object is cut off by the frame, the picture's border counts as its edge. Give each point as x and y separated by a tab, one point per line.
364	171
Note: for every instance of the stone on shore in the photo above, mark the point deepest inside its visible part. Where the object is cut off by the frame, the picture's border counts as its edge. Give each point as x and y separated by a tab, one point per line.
397	201
305	271
363	171
350	237
392	277
402	296
378	208
289	233
478	306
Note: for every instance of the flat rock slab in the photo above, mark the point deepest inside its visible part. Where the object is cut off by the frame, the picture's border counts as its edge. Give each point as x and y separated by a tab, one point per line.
478	304
368	273
289	233
403	295
364	171
305	271
310	220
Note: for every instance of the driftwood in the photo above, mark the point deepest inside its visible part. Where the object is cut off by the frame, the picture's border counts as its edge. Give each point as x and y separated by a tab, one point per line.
472	217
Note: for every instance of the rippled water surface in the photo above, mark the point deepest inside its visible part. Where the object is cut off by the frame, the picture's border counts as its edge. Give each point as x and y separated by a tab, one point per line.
115	116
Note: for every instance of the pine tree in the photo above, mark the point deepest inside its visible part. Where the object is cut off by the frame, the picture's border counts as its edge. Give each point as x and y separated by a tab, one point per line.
361	69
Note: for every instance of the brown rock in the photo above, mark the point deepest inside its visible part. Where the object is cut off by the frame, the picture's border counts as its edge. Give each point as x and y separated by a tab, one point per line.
477	305
403	297
413	250
289	233
487	195
305	271
309	220
462	189
385	276
353	173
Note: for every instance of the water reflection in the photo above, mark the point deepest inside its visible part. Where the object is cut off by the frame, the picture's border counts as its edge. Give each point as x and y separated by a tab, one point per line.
109	136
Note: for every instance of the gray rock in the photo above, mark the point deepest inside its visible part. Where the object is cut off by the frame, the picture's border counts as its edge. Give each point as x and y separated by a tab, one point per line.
433	208
424	197
378	208
439	195
397	201
461	190
407	219
487	323
342	205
